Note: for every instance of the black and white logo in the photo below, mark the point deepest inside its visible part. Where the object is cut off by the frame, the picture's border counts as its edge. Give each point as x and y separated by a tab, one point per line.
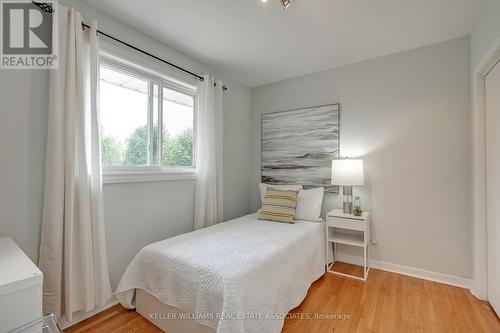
28	35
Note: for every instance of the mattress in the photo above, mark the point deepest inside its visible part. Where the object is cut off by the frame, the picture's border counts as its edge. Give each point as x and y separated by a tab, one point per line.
240	276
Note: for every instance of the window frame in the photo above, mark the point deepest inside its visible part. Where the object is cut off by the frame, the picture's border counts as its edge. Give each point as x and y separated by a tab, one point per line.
147	173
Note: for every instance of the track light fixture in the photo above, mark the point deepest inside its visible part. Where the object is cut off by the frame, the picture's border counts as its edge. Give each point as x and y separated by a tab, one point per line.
285	3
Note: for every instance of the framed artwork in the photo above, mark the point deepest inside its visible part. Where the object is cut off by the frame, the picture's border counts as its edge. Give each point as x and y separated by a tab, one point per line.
298	146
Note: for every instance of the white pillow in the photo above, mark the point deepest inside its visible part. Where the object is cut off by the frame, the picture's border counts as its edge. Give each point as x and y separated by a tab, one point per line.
263	189
309	204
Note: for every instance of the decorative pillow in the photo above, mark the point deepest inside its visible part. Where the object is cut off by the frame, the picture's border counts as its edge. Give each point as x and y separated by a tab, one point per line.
279	206
309	204
263	188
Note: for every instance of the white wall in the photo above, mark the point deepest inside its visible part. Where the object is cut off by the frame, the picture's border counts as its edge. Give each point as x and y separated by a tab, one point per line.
408	116
136	214
486	33
23	120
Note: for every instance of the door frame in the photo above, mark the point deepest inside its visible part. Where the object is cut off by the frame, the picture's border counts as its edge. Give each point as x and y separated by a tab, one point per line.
479	241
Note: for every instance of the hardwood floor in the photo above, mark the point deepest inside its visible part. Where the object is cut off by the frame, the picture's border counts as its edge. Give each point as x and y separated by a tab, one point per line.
387	302
390	302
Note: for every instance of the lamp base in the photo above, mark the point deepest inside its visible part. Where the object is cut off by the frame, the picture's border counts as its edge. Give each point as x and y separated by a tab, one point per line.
347	207
347	192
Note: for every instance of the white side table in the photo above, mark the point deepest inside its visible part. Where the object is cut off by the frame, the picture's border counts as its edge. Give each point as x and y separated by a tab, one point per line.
349	230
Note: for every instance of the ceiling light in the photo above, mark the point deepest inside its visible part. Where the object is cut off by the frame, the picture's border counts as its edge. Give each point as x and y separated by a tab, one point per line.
285	3
264	1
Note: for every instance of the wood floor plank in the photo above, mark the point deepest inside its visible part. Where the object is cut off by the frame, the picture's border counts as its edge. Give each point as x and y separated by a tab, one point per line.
387	302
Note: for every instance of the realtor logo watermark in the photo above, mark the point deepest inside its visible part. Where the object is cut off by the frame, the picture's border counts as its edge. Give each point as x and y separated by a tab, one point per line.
29	34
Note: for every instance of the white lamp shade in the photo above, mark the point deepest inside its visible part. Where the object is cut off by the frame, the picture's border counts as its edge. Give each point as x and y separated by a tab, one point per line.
348	172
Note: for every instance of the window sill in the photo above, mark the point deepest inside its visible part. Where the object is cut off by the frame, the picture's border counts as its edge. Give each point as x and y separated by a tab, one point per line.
121	177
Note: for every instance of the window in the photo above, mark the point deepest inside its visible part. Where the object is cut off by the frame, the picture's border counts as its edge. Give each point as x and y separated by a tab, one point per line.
147	121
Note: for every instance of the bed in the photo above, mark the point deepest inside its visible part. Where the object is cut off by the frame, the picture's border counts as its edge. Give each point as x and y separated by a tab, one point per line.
240	276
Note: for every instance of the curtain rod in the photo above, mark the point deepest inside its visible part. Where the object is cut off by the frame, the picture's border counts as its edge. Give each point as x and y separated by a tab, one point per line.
99	32
149	54
48	9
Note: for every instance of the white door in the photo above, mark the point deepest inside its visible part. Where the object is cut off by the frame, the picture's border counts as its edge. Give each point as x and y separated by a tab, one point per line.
493	184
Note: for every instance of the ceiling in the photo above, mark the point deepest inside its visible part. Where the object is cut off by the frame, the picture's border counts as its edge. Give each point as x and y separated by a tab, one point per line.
257	43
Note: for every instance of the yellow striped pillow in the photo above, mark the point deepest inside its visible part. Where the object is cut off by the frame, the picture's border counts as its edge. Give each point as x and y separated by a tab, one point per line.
279	206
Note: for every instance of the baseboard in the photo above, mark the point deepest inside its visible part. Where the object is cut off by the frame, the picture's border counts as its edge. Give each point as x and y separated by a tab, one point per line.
478	292
81	316
410	271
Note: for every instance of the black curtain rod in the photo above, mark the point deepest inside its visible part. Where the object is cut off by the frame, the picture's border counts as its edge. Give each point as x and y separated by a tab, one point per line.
48	9
201	78
144	52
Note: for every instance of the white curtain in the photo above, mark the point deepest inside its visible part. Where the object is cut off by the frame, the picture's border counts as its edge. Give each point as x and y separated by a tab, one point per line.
208	196
72	249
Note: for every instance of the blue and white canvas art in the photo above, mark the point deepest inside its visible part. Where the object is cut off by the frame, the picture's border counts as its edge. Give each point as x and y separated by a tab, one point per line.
298	146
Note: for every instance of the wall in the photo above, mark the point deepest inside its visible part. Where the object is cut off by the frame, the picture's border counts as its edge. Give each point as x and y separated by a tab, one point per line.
136	214
23	121
486	33
407	115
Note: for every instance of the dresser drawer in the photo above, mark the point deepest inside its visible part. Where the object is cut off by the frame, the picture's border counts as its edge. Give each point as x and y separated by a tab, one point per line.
344	223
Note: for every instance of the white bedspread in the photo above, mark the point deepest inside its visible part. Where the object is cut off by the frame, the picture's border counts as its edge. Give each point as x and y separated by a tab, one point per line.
241	276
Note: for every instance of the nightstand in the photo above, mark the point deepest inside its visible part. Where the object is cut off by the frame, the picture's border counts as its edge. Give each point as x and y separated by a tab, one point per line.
350	230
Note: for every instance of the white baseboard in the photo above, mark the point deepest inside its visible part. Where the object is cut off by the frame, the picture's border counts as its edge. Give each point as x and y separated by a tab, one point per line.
478	292
410	271
81	316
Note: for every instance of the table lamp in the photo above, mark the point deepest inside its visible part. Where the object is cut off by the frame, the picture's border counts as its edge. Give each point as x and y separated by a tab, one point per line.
348	173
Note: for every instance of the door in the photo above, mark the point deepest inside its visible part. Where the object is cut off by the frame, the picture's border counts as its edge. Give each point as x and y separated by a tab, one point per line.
493	184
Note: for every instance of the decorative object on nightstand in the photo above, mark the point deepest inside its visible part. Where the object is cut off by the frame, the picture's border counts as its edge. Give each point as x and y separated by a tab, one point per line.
348	173
348	229
357	211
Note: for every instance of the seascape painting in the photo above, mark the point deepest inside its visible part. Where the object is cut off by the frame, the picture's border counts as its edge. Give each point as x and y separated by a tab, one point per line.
298	146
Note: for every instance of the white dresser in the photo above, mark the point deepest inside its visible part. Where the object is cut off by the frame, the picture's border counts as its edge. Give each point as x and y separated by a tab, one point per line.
20	287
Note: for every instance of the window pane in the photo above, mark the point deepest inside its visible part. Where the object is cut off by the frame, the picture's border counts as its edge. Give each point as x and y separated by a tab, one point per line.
178	120
124	117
